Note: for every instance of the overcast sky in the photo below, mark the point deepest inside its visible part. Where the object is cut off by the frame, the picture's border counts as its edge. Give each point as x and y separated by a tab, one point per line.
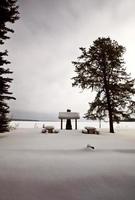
47	39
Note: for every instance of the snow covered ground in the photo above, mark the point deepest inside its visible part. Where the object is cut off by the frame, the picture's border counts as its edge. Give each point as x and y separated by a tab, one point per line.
35	166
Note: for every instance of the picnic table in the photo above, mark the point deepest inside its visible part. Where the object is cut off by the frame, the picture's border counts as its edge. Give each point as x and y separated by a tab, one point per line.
50	129
91	130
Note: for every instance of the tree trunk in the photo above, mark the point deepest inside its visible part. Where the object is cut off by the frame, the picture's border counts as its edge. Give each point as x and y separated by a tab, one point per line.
106	85
109	109
110	117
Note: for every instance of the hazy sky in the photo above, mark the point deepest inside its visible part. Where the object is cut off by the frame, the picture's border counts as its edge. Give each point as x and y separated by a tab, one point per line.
47	39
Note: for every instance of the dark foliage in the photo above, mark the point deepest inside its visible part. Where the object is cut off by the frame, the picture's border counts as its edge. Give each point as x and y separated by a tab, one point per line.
68	122
101	68
8	14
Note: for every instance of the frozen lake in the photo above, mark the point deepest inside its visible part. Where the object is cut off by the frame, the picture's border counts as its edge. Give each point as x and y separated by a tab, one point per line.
81	125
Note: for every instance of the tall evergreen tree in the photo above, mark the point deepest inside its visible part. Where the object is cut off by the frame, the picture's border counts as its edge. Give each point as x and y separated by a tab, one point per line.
8	14
101	68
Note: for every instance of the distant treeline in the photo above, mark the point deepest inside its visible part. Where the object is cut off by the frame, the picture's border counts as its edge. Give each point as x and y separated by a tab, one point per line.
34	120
25	120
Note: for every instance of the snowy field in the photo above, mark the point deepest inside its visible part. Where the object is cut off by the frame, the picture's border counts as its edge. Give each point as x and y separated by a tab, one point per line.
35	166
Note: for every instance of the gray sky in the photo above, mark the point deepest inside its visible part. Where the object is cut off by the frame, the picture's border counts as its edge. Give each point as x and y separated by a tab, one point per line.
47	39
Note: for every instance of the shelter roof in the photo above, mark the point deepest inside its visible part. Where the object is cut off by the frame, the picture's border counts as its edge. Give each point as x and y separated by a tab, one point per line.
69	115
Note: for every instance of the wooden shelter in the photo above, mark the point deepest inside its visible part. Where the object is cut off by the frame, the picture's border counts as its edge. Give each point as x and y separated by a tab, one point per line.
69	115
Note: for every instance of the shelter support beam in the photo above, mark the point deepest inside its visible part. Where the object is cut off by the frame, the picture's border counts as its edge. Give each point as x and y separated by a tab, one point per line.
76	124
61	124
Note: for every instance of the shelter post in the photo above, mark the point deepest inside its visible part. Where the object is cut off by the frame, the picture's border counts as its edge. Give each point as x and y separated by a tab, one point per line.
61	124
76	124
